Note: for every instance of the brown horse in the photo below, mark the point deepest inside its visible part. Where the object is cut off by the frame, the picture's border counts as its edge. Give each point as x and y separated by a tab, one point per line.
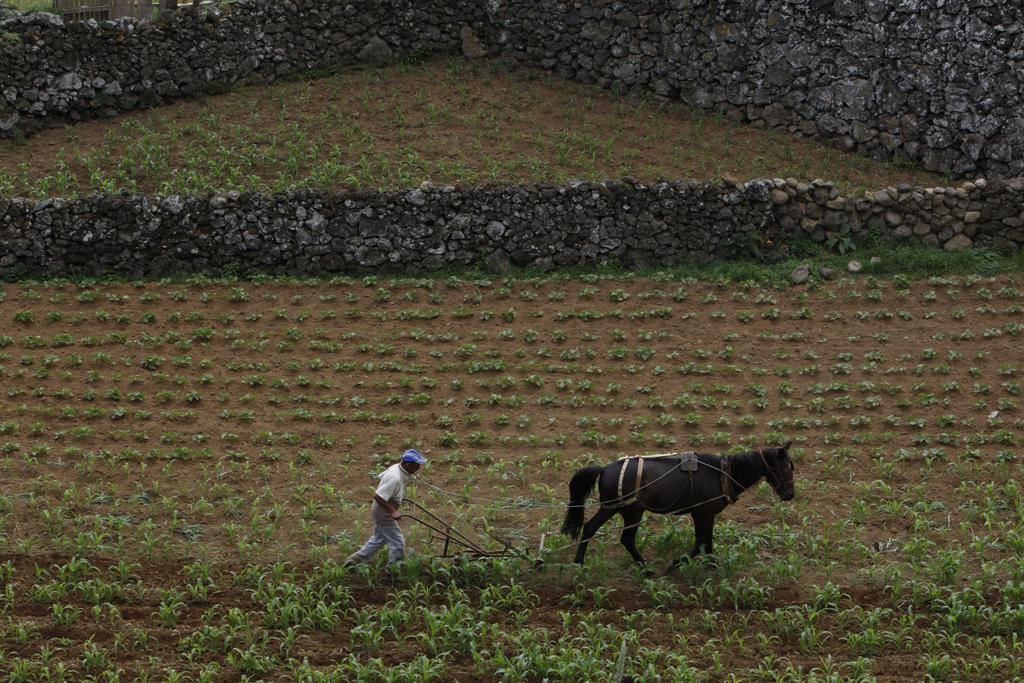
696	484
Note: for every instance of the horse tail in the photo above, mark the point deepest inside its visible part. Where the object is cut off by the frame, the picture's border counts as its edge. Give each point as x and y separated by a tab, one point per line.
579	487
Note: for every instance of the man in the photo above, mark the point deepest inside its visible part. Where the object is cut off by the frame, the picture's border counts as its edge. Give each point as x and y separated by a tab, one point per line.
385	513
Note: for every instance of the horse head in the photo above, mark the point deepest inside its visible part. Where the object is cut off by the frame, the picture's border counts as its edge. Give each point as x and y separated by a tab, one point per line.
779	470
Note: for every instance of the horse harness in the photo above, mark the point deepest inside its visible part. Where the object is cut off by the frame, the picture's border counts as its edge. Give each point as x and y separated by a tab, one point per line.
727	490
689	463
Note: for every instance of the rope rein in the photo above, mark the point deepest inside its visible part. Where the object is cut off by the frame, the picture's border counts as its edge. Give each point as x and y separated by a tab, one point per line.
492	504
545	506
730	496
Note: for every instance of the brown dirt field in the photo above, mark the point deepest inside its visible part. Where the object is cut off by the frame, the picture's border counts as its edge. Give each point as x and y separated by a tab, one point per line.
111	486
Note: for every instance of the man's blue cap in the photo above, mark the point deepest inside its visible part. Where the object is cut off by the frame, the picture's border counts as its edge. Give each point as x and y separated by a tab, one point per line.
413	455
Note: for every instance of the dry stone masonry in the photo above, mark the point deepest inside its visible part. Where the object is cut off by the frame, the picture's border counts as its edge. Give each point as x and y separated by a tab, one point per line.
939	82
52	71
430	227
933	81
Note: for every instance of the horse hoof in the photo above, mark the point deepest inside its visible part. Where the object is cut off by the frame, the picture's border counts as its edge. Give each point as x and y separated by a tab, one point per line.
685	560
647	573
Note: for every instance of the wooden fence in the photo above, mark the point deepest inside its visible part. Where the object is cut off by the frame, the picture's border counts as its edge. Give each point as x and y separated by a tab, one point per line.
80	10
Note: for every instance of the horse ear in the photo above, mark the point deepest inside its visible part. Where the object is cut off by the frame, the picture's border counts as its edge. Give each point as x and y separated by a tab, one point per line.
786	445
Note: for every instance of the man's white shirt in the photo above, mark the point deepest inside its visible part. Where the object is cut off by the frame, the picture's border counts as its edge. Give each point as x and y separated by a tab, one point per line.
392	484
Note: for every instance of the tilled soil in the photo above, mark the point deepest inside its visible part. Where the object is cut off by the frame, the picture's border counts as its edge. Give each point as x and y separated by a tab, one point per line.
239	424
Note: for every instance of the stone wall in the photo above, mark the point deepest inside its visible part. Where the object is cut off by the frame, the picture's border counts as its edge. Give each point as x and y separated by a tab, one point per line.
52	71
427	228
938	82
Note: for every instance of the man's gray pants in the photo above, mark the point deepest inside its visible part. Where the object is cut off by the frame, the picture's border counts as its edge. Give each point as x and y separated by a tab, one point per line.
383	534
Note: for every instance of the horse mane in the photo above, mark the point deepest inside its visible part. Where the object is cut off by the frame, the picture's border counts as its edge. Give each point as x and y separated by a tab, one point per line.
748	458
747	467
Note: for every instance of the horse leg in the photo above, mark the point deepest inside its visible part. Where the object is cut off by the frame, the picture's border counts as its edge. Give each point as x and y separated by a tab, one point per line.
698	533
631	517
591	528
682	560
675	564
704	528
703	524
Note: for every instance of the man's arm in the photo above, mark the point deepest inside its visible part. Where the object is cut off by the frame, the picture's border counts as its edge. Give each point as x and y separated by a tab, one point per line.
390	507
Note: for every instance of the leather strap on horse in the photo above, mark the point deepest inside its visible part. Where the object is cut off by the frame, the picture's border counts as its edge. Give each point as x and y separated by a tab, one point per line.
768	473
689	463
727	489
622	476
629	500
639	476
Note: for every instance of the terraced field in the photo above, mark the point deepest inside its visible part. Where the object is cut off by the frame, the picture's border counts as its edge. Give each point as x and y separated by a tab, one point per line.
184	465
449	121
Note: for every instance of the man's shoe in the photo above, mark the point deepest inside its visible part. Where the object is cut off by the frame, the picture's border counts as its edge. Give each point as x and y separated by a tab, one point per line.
354	558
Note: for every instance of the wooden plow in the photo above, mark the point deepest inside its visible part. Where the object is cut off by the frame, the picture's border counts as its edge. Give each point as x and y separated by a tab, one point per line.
455	542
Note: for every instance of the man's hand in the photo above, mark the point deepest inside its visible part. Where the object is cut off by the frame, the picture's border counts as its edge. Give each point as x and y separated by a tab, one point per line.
390	507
